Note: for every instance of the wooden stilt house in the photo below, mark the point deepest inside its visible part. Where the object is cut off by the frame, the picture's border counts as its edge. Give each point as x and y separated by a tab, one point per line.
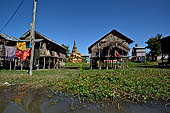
10	42
110	51
50	53
165	51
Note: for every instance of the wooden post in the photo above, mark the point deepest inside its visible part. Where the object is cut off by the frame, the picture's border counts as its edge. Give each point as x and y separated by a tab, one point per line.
54	62
91	64
49	63
99	58
21	66
44	63
38	64
57	62
123	64
15	60
32	33
127	63
107	67
10	65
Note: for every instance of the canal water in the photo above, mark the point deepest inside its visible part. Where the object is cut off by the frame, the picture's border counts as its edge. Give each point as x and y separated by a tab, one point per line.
40	103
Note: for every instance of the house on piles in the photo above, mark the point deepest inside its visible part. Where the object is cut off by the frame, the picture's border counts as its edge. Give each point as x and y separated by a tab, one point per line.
165	45
6	41
47	53
138	53
110	51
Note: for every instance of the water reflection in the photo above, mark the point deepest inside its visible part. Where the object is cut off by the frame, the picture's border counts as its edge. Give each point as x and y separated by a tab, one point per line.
38	103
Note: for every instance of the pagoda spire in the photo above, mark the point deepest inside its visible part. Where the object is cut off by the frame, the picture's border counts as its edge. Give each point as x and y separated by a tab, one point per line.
74	48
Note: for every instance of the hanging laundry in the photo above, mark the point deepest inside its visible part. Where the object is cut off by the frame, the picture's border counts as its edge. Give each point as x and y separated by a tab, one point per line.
30	45
42	52
10	52
21	46
19	54
48	53
26	54
44	47
116	54
55	54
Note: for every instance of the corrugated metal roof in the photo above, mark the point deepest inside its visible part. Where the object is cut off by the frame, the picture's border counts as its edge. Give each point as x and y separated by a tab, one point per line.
8	37
36	32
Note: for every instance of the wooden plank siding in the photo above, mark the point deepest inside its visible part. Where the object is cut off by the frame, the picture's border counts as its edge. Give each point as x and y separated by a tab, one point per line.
103	51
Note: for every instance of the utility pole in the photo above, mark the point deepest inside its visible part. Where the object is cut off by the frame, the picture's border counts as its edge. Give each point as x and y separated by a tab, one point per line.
32	34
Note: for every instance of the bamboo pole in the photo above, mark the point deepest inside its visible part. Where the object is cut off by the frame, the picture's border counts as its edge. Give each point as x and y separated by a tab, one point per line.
32	32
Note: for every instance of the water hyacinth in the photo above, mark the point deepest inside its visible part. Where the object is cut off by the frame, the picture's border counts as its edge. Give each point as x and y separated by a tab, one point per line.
133	84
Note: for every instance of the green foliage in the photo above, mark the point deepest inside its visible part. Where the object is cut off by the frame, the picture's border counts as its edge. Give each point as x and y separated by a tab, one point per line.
154	45
133	84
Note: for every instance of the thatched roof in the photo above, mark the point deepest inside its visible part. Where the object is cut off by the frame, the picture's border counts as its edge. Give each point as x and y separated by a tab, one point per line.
115	33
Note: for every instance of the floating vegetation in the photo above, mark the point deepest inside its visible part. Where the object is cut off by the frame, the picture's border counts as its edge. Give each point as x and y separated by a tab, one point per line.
134	84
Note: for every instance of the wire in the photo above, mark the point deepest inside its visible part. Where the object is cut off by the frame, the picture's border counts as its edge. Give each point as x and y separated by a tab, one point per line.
12	16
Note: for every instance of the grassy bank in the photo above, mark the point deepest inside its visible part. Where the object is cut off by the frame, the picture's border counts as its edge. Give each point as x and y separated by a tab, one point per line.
135	83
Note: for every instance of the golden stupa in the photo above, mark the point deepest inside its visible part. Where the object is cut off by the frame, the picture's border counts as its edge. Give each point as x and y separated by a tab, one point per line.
75	56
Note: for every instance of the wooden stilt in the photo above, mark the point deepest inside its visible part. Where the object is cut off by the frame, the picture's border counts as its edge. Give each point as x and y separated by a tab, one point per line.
100	64
15	60
91	64
57	63
44	63
107	65
49	63
108	55
123	64
38	63
10	65
21	66
54	62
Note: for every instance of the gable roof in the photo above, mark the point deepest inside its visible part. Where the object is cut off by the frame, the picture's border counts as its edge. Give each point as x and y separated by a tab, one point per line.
44	37
116	33
7	37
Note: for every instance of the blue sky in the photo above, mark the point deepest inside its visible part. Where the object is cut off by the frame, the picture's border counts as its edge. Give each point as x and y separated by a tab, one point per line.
88	20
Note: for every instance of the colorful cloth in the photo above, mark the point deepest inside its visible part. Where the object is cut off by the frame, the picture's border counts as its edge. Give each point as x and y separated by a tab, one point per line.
48	53
10	52
21	46
42	52
116	54
55	54
30	45
26	54
19	54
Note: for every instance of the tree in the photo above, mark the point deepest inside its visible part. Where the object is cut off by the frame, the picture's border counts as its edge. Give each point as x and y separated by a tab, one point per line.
154	45
67	49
